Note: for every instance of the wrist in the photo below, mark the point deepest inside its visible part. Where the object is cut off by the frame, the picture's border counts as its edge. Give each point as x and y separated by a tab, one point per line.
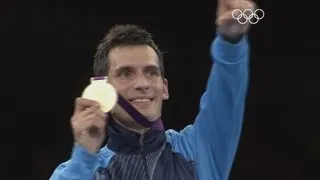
234	39
81	155
87	148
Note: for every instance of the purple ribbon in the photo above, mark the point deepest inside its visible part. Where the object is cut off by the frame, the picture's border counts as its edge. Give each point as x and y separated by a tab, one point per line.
134	113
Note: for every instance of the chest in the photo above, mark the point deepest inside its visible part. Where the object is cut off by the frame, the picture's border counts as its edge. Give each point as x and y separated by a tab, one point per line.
160	165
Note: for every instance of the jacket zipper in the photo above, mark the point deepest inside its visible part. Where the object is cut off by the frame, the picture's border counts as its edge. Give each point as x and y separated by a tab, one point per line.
144	157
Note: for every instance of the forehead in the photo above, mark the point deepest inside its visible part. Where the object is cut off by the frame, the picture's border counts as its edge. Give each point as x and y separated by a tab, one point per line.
134	56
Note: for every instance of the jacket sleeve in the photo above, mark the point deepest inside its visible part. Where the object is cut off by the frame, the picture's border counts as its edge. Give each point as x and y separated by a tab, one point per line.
212	140
81	166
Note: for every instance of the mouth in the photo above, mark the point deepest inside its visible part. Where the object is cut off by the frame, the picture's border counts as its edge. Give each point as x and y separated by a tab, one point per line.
141	100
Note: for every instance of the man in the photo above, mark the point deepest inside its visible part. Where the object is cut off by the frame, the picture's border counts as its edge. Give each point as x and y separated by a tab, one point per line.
133	64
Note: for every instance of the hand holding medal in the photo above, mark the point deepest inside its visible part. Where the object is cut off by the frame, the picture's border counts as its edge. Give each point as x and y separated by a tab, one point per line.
90	115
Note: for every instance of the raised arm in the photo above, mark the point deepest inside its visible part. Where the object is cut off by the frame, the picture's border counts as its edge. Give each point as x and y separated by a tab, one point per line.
86	156
213	139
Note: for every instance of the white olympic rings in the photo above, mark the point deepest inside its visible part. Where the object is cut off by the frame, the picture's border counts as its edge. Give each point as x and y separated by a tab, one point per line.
247	15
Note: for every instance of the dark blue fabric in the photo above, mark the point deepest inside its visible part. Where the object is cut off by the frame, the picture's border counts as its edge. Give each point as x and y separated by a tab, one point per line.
141	161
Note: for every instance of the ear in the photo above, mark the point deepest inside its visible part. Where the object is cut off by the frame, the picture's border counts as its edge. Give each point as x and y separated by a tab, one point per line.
165	95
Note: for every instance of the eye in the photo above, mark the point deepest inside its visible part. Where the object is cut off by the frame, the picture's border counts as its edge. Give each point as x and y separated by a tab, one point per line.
125	73
152	72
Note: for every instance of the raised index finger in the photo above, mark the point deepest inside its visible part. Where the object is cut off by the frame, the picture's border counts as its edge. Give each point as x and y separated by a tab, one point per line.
82	104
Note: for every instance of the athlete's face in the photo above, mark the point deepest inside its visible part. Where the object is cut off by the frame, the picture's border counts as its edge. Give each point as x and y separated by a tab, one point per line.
135	72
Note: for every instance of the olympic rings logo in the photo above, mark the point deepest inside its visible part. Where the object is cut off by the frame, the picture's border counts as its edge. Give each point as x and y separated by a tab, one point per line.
248	15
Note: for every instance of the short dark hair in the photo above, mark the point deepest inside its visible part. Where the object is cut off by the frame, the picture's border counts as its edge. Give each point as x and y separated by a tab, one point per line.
119	36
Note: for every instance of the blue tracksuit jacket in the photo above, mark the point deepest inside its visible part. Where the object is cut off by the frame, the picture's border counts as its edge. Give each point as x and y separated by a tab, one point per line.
202	151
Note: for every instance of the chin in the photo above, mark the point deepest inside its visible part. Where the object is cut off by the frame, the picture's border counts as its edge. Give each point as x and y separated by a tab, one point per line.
146	113
152	117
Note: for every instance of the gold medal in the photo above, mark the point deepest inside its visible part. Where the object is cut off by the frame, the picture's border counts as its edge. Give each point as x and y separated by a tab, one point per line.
103	92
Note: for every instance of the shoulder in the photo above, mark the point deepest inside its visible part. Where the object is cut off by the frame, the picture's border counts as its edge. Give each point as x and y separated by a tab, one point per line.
173	135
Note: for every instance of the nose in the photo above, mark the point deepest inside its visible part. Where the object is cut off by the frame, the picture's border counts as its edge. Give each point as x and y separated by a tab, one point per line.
142	83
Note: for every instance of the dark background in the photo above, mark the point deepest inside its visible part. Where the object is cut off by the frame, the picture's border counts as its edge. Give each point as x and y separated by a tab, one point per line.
47	57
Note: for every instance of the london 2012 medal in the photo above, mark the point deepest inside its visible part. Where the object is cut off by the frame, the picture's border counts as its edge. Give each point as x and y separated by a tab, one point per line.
103	92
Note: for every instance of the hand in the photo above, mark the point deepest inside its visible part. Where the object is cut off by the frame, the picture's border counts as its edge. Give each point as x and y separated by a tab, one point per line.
88	124
227	25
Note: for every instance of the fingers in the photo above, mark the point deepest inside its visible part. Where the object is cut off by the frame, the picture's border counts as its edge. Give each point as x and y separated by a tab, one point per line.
89	114
95	115
229	4
229	26
225	2
95	124
248	5
88	118
82	104
225	5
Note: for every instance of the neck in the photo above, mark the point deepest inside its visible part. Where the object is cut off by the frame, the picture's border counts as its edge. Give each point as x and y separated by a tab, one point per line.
121	139
132	126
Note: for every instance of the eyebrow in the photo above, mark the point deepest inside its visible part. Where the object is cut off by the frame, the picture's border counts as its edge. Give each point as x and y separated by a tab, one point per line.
148	67
153	67
122	68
